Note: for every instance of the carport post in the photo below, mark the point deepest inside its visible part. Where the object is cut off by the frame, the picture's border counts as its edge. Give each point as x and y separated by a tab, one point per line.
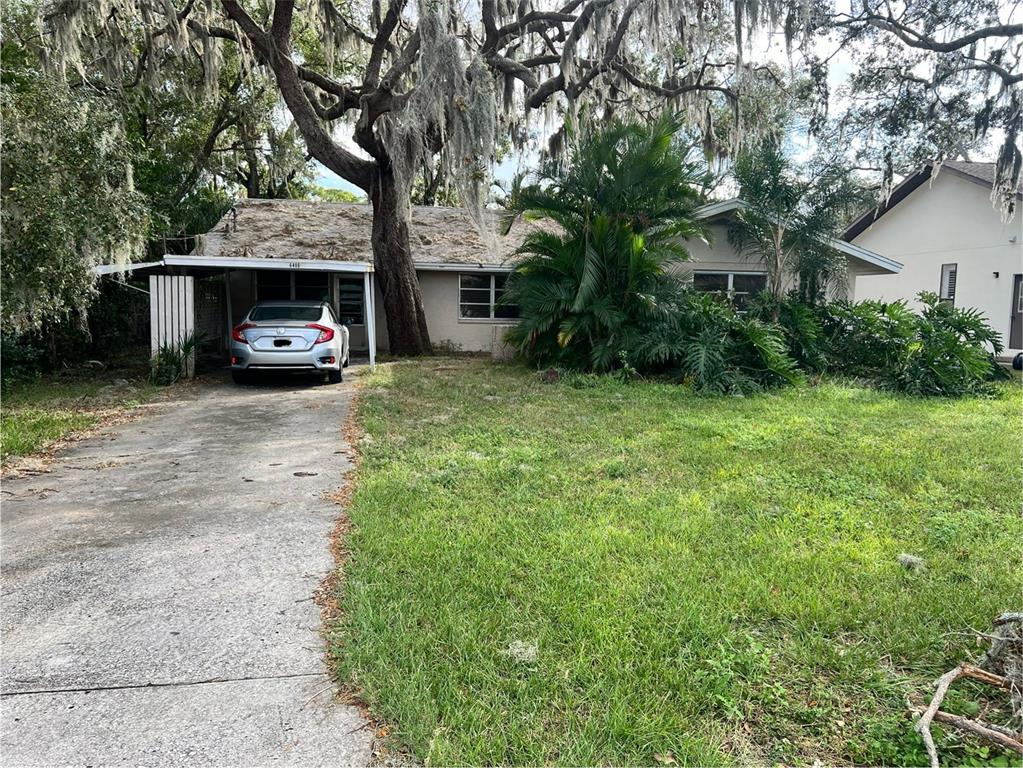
369	310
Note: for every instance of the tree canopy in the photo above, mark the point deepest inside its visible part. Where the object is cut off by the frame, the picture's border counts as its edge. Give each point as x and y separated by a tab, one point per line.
435	84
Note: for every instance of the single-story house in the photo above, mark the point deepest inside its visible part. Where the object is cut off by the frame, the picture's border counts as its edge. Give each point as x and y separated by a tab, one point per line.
941	224
294	249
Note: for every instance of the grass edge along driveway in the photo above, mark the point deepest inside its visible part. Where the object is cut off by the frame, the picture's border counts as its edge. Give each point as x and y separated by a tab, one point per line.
591	572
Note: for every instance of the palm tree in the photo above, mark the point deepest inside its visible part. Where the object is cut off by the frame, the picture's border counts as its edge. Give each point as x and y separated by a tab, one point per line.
789	218
594	273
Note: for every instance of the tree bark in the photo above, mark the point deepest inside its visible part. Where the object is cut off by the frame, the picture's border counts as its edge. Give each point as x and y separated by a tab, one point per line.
395	271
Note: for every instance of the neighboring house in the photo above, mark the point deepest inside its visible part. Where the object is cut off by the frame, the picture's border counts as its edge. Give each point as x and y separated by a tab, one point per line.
293	249
941	224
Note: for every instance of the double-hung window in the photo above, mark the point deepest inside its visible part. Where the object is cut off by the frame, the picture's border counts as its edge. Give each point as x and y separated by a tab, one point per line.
948	283
479	297
738	286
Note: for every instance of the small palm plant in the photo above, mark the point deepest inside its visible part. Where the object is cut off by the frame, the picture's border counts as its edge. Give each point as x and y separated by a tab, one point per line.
594	276
789	218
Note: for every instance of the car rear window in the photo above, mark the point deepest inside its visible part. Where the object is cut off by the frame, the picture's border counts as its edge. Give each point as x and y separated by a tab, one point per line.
284	312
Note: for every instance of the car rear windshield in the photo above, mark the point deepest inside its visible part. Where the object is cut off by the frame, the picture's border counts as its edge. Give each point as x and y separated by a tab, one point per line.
284	312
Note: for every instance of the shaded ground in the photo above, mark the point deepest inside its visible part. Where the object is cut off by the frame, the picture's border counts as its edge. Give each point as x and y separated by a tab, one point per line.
157	599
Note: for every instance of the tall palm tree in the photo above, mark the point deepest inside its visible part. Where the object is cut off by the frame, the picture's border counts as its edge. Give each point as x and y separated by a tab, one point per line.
789	218
594	273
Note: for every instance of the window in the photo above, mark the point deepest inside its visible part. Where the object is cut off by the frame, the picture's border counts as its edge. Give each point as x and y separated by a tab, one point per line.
479	297
351	294
311	286
738	286
273	285
948	283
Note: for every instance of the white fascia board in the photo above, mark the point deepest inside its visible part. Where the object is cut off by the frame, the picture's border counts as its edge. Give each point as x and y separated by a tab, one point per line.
876	259
857	252
711	210
451	266
240	262
116	269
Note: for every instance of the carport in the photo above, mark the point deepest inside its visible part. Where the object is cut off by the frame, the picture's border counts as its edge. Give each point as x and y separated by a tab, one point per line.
209	295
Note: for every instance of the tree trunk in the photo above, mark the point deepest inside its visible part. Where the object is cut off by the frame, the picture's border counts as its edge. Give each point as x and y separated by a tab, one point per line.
396	273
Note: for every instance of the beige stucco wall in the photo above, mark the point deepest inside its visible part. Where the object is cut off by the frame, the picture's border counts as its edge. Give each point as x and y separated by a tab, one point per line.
947	220
447	330
719	256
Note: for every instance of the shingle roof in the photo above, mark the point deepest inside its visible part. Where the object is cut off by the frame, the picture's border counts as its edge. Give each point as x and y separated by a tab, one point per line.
981	171
302	229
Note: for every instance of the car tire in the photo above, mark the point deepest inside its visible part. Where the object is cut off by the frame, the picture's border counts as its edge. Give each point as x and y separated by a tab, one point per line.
335	377
1017	362
346	362
240	377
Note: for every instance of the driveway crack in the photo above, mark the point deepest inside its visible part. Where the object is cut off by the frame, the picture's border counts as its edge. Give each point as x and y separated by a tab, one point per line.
136	686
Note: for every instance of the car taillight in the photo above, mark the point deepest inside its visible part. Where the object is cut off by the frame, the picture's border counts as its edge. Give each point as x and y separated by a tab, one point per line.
238	331
326	334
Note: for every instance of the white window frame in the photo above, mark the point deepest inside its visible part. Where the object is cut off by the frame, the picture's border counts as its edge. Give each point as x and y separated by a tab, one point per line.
493	299
943	293
731	279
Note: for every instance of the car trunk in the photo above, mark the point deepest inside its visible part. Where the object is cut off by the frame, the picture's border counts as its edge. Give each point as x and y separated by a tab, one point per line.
281	336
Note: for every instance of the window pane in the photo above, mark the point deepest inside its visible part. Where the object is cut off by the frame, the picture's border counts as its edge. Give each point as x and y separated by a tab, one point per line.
474	281
284	312
273	285
740	300
474	310
706	281
506	311
499	281
948	282
311	286
474	296
749	283
350	293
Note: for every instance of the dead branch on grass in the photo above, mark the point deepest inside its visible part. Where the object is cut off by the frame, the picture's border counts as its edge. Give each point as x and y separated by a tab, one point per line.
1001	667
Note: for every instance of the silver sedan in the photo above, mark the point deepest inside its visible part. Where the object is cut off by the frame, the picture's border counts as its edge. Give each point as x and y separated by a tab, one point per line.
297	336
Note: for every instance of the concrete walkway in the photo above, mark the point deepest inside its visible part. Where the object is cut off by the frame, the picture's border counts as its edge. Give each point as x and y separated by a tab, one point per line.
157	589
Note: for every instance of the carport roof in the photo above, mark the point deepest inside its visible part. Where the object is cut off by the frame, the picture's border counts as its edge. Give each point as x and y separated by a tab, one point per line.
309	230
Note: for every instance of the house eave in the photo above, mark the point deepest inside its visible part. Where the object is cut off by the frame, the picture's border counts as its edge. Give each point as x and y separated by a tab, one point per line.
455	266
883	263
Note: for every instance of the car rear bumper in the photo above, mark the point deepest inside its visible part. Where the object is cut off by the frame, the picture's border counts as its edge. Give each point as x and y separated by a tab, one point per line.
245	358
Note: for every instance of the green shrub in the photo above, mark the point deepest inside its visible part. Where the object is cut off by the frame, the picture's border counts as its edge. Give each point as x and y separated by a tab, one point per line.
944	350
715	348
174	361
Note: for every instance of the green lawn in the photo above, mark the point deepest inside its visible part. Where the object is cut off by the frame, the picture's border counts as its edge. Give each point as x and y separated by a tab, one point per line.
704	580
36	414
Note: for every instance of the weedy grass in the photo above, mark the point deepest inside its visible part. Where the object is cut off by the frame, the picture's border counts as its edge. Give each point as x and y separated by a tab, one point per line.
596	572
40	412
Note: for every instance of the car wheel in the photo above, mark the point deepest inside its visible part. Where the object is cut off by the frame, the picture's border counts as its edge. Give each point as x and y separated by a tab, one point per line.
335	377
1017	362
346	362
240	377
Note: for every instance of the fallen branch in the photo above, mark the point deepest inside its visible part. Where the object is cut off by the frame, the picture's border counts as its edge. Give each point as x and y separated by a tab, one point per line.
993	733
1004	655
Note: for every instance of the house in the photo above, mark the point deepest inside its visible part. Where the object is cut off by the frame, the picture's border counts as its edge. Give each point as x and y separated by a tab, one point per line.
941	224
295	249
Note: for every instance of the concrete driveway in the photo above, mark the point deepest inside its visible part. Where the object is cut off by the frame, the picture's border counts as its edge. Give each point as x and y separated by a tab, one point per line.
157	592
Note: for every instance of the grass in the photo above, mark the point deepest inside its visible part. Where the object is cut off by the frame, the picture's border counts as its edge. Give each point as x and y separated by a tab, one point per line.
602	573
40	412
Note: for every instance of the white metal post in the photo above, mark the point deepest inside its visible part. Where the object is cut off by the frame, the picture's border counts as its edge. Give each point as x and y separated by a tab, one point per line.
369	310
